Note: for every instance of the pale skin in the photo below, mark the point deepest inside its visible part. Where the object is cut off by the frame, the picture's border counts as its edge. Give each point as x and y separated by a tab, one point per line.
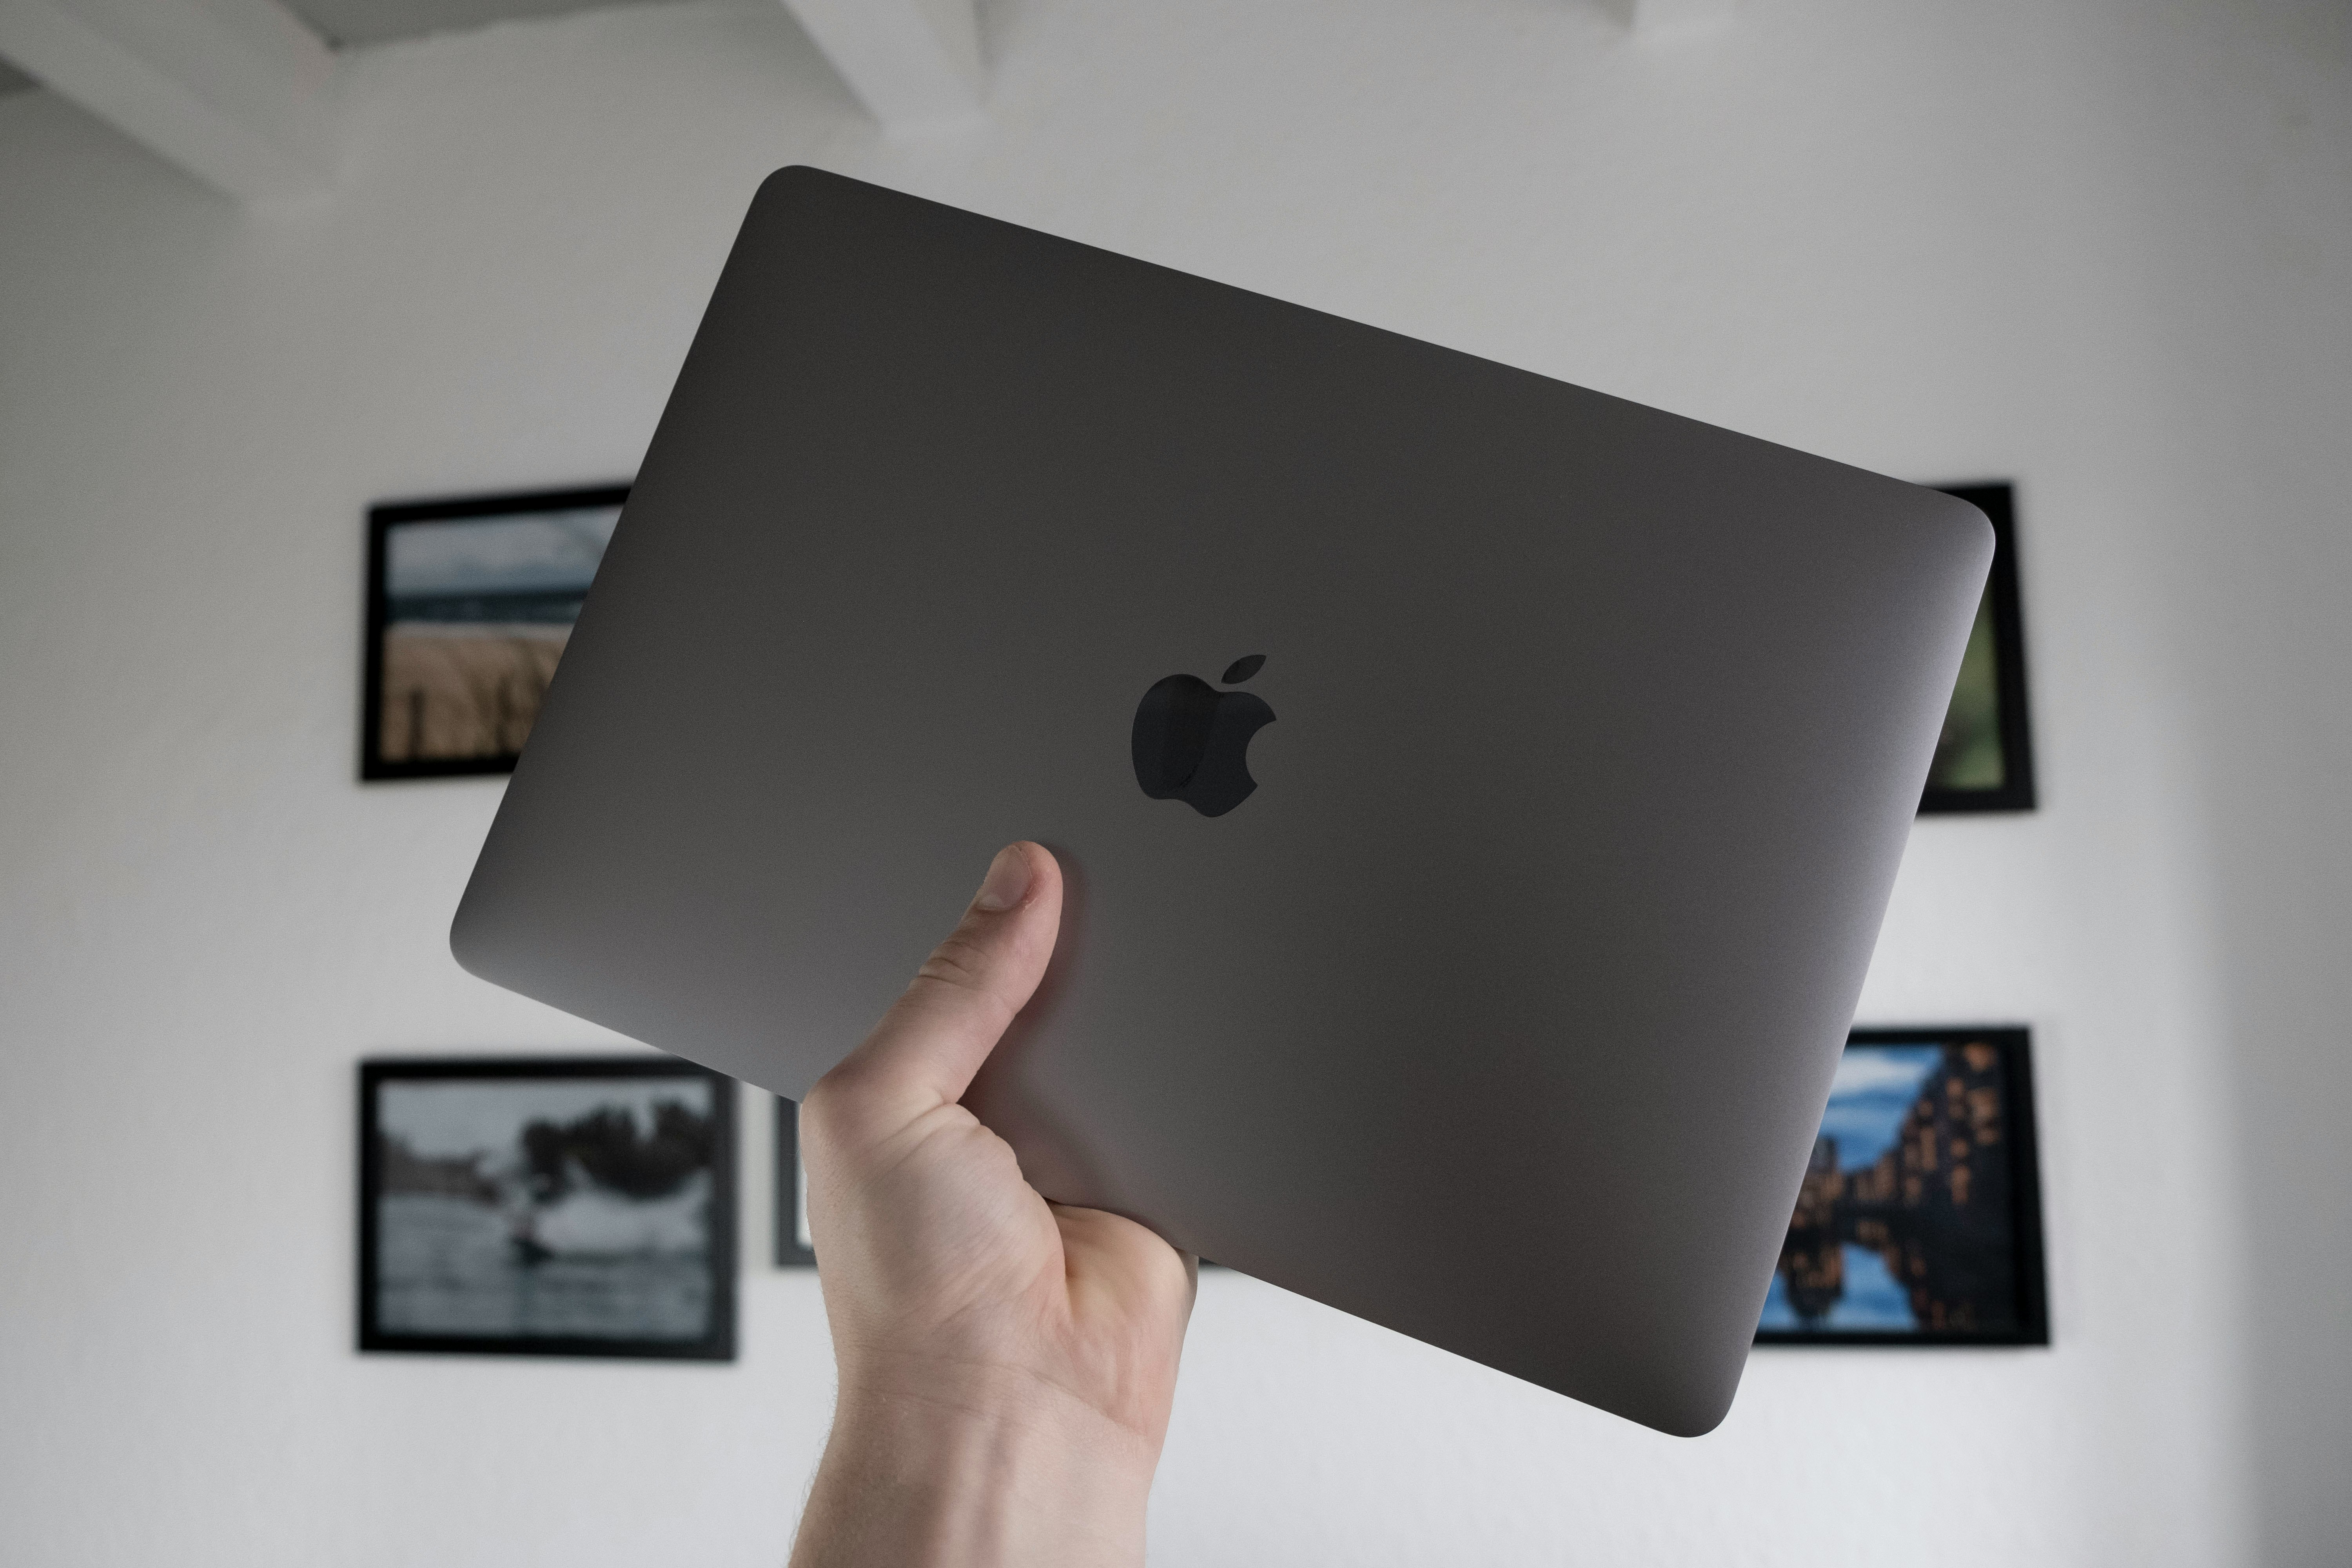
1006	1363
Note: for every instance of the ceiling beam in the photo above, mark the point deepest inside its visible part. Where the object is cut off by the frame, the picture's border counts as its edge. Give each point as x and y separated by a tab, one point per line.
1672	18
233	92
914	64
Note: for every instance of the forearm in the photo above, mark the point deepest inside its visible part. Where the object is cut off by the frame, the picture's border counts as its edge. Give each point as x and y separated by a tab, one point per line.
936	1480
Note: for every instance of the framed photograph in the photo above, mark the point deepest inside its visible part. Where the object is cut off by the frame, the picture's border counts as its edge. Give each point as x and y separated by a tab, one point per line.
794	1249
1984	758
547	1205
469	602
1919	1222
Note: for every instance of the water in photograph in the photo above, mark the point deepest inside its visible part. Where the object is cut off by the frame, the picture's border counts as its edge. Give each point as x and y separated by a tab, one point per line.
447	1265
480	569
1872	1303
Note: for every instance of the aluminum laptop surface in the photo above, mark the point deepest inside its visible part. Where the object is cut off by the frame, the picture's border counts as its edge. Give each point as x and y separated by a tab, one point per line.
1502	1011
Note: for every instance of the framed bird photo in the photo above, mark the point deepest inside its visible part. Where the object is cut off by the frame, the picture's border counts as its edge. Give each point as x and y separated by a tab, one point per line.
537	1205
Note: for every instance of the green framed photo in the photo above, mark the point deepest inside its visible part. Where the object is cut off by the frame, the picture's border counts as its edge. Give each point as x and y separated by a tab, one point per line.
1984	756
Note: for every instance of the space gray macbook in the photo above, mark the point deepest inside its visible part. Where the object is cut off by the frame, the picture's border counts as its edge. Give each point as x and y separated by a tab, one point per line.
1479	795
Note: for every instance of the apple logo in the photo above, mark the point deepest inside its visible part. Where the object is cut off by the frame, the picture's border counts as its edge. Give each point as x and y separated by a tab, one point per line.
1192	741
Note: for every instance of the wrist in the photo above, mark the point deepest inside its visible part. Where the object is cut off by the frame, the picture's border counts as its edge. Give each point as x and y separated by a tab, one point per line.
967	1470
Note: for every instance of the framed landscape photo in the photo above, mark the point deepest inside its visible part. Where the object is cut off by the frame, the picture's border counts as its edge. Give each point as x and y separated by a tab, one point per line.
1984	757
1919	1222
547	1205
793	1247
469	602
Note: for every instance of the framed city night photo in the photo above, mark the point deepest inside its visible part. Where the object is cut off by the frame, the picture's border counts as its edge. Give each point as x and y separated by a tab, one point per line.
1919	1222
469	603
547	1205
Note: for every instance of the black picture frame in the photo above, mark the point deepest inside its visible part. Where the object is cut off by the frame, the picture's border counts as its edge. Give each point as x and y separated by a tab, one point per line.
715	1343
375	765
791	1188
1994	1259
2005	608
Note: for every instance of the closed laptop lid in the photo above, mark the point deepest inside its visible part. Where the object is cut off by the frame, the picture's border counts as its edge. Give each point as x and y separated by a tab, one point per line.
1465	940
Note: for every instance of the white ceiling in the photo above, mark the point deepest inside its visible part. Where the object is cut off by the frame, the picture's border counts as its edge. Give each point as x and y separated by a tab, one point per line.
225	88
344	22
347	22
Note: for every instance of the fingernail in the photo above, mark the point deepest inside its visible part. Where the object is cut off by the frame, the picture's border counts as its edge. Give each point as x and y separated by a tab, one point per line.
1008	880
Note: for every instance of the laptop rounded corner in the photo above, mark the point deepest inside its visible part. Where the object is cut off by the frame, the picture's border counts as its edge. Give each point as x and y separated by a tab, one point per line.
1703	1417
1686	1398
469	942
791	182
1967	515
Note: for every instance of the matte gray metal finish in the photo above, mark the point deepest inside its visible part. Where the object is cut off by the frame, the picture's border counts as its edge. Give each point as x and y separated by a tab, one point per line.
1503	1012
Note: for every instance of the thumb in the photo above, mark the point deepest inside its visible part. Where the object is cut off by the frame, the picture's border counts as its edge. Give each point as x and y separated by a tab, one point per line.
924	1052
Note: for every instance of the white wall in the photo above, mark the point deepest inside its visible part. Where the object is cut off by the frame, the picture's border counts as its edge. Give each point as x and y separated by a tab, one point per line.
2103	247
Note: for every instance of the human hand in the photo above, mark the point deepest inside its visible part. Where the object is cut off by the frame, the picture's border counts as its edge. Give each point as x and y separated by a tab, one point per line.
1006	1363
